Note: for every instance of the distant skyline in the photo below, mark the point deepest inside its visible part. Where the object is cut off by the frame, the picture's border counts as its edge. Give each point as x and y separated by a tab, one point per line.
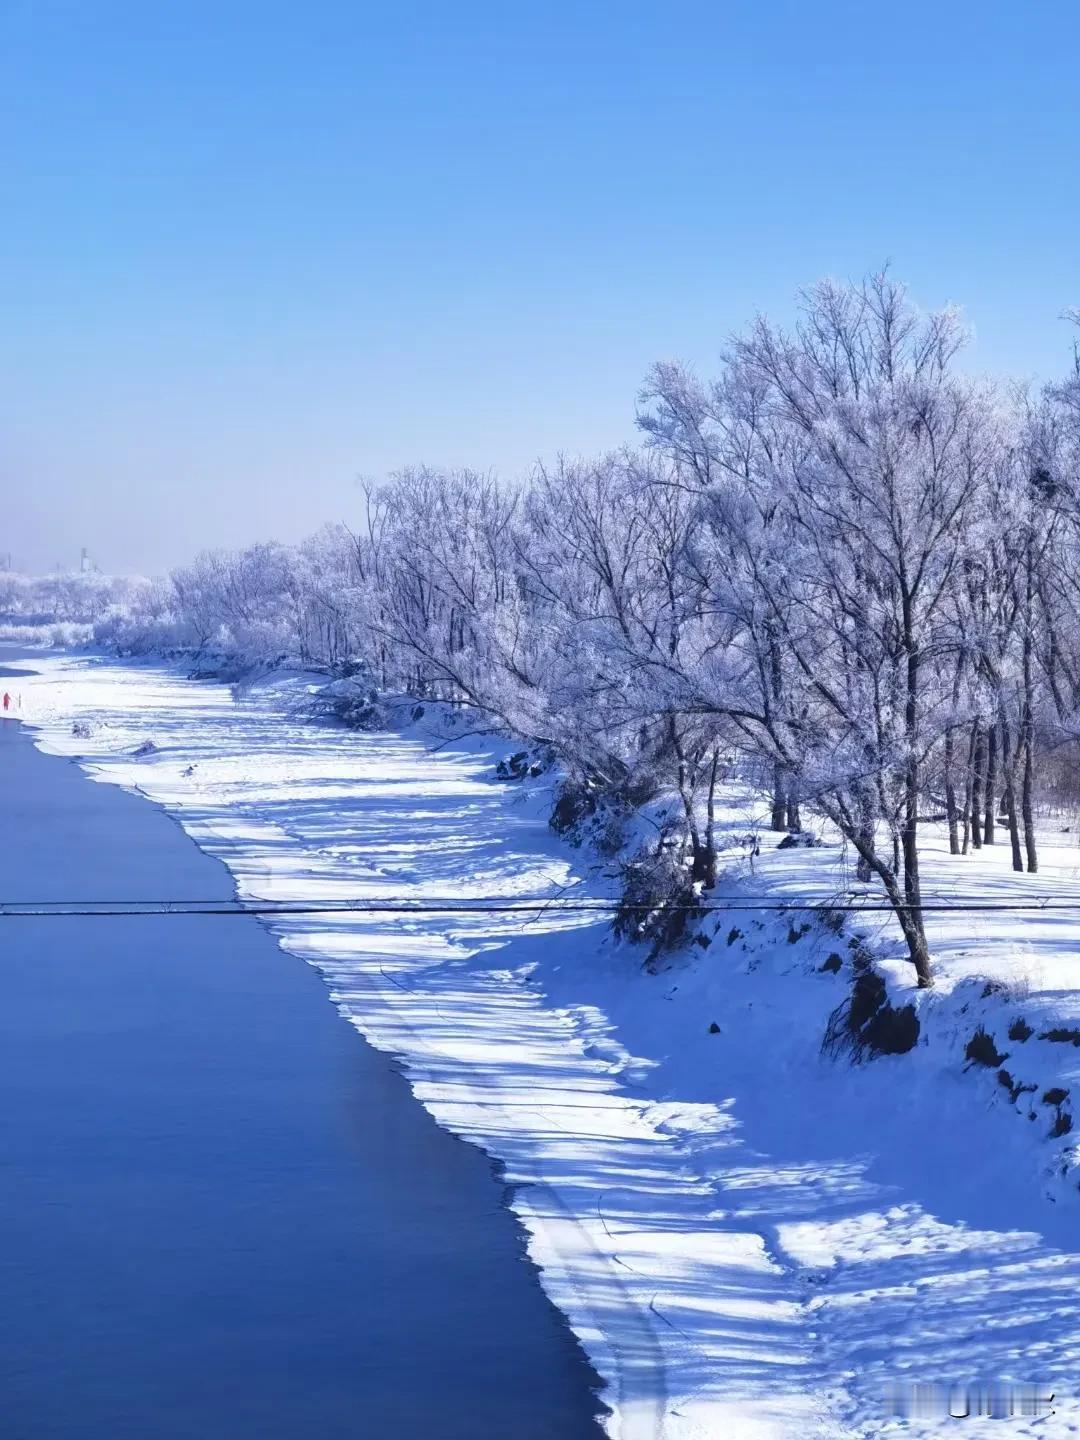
254	251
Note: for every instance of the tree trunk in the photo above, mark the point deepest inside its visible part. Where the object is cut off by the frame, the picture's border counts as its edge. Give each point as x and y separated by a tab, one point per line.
866	834
1008	766
794	819
978	751
687	785
710	823
911	923
1027	737
911	917
908	910
950	793
991	785
779	799
1027	806
967	794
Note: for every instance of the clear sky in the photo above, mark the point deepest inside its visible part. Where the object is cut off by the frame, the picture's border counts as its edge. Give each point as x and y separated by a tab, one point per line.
252	251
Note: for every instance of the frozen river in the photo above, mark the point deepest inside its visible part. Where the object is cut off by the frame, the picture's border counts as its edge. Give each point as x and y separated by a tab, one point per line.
222	1214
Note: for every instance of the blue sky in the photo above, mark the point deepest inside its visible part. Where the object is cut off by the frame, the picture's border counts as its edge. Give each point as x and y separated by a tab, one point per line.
251	252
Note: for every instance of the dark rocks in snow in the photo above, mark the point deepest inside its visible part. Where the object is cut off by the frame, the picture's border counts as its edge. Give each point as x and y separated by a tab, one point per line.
1055	1096
1020	1029
1062	1124
981	1050
892	1031
146	748
799	839
525	764
734	934
714	1028
994	987
796	933
1062	1035
867	996
868	1024
833	963
1015	1087
514	767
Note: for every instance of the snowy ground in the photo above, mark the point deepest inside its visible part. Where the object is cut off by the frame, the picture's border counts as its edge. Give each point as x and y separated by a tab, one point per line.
749	1240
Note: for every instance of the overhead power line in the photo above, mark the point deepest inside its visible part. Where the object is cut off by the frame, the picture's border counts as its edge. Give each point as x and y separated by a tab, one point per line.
124	909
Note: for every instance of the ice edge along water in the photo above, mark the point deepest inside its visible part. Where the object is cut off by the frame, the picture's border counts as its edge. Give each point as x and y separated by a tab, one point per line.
701	1306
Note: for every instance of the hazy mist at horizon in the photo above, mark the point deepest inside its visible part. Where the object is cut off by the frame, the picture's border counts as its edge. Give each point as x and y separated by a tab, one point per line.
253	253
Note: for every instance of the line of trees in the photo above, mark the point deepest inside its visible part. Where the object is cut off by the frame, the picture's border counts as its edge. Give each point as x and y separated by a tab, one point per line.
76	597
843	560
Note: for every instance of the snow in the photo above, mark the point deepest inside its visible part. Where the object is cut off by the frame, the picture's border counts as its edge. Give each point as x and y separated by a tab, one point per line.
749	1240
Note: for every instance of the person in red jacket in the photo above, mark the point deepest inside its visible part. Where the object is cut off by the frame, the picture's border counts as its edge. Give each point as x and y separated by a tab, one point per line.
7	701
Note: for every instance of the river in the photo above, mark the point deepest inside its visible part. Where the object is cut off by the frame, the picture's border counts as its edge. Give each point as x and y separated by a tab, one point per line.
222	1214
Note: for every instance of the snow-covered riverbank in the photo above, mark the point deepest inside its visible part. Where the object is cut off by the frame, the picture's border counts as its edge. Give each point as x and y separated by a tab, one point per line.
749	1240
211	1190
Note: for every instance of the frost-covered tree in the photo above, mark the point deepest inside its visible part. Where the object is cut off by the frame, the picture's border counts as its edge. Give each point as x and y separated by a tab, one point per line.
846	463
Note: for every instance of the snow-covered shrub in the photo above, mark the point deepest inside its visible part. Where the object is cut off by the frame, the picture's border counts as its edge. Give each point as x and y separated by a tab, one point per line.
659	904
14	633
353	701
575	802
70	634
148	623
